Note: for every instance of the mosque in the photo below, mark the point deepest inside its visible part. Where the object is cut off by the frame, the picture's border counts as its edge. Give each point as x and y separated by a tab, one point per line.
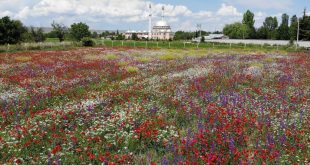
160	31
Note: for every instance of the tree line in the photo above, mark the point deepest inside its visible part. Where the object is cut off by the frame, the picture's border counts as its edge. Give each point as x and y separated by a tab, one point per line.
271	28
13	32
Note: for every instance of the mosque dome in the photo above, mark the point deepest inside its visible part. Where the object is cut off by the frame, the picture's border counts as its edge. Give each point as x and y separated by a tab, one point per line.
162	23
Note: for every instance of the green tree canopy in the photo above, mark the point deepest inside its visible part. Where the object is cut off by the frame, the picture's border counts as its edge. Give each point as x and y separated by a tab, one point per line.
283	31
236	31
134	36
270	27
305	28
60	30
37	34
293	27
248	20
79	31
11	31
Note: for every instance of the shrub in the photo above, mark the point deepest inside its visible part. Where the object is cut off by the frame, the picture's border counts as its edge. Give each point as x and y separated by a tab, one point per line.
144	59
167	57
88	41
123	63
132	69
111	57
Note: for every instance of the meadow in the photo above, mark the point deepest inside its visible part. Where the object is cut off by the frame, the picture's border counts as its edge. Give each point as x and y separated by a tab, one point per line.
126	105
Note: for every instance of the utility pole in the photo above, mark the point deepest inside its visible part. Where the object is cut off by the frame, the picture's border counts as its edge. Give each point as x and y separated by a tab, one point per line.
199	29
150	22
297	42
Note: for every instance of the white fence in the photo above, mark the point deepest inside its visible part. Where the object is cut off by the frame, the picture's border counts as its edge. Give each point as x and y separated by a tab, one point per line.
259	42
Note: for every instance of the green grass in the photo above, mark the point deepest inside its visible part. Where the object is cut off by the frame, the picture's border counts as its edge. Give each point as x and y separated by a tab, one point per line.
132	69
111	57
52	40
54	44
168	57
23	58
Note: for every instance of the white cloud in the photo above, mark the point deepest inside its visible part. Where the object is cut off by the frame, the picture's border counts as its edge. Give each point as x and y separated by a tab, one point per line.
203	14
259	18
265	4
228	10
110	14
5	13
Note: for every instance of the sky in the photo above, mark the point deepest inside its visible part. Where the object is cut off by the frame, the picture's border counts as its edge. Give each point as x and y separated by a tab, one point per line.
133	14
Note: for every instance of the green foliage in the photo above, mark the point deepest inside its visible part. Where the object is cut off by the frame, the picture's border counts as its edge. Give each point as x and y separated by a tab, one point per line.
248	20
283	31
236	31
94	35
79	31
132	69
37	34
59	30
134	37
202	39
305	28
168	57
120	37
11	31
86	41
269	29
111	57
293	28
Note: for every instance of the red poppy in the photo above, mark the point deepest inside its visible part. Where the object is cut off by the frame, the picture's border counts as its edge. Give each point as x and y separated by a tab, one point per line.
56	149
101	158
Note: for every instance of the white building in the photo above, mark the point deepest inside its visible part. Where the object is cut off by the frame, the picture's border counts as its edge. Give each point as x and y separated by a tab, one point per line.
161	30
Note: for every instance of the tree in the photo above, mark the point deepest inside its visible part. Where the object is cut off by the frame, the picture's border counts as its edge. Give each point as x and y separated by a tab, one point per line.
269	28
262	33
283	31
248	20
79	31
11	31
305	27
60	30
236	31
134	36
120	37
37	34
293	28
202	39
94	35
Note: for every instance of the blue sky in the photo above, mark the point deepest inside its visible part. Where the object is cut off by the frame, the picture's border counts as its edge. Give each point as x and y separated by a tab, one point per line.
132	14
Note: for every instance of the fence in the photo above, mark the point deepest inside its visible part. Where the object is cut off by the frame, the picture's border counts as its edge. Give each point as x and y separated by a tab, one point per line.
182	44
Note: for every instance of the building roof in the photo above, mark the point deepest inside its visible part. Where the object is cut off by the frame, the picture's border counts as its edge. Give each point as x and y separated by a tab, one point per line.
162	23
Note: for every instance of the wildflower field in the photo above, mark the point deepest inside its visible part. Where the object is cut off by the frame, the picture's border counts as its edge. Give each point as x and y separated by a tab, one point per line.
154	106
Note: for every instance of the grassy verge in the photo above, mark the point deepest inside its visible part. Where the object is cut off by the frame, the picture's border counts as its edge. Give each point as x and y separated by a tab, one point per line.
53	44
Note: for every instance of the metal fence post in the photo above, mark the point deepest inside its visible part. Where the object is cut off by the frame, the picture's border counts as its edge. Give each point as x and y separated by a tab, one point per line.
230	46
122	43
213	45
169	44
157	44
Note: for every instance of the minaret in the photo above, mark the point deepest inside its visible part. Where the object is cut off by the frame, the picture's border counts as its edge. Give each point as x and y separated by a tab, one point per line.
150	22
163	13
